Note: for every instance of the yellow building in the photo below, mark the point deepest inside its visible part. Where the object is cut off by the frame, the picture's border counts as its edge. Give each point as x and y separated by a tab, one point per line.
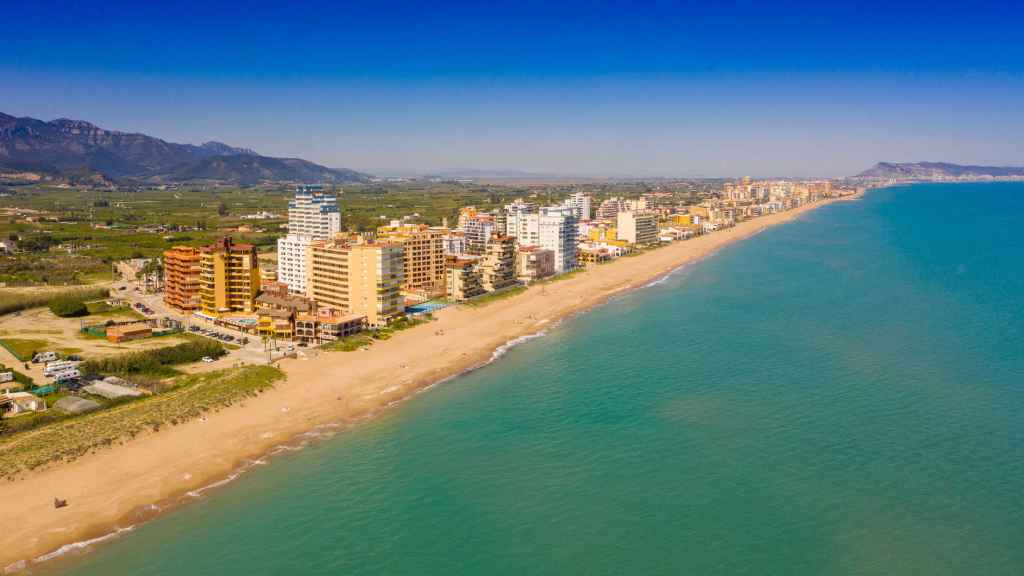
498	265
362	278
424	256
229	278
463	278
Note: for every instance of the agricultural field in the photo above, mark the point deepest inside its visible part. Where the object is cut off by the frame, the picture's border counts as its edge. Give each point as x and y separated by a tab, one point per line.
72	236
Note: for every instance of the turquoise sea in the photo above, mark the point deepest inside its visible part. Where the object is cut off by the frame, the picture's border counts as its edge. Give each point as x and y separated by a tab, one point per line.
840	395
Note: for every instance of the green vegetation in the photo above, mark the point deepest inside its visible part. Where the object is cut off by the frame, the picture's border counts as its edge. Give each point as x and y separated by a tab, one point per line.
39	439
565	276
349	343
22	348
76	234
485	299
23	300
357	341
101	308
68	307
154	362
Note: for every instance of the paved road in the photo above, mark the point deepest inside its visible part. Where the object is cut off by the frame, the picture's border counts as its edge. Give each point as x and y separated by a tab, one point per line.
254	352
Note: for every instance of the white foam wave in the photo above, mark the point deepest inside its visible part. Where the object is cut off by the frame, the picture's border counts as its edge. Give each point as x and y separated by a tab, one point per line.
83	544
198	492
504	348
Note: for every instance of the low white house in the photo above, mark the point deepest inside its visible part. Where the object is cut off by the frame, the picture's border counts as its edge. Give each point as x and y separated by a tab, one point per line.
18	403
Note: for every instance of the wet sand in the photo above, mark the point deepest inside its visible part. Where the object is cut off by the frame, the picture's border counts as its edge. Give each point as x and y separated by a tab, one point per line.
120	486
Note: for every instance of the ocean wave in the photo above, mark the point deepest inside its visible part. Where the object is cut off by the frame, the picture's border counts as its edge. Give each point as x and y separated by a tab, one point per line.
82	544
198	492
504	348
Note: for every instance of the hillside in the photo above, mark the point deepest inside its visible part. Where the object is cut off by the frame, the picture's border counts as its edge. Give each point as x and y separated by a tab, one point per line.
937	171
250	169
77	151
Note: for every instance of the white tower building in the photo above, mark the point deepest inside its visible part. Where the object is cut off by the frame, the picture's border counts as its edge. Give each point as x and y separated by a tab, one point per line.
312	215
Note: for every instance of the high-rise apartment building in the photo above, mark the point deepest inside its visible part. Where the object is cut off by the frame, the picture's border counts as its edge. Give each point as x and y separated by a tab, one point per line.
498	265
424	249
363	278
229	278
557	231
610	208
462	275
312	215
553	228
580	203
516	217
640	228
478	228
181	278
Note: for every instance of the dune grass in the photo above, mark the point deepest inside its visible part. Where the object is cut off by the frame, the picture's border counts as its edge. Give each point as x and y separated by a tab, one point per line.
55	437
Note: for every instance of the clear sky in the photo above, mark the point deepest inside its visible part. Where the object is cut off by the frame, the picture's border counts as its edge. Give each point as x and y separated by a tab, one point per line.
620	88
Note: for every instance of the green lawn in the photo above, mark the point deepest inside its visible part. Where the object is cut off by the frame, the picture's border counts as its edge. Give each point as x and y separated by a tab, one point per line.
23	348
101	308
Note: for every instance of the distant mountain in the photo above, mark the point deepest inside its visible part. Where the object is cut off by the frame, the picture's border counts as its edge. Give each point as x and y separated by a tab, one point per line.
74	150
937	171
252	169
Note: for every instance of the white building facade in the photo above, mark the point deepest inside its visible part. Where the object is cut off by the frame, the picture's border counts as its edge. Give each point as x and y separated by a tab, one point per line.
580	204
312	215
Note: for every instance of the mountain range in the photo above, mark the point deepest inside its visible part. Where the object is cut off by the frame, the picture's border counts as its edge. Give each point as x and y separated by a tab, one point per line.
79	152
937	171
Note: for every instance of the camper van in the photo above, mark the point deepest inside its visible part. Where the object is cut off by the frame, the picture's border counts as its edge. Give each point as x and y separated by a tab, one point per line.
52	368
45	357
68	375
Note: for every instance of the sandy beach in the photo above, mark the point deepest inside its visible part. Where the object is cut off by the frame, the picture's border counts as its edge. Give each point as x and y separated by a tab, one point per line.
121	486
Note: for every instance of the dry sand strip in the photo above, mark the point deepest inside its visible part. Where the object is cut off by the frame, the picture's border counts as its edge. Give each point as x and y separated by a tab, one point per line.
122	485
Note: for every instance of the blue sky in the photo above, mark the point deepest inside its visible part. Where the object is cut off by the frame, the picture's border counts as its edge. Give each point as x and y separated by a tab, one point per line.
619	88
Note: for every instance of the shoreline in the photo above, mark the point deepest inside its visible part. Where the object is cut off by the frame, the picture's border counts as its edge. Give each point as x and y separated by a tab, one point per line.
115	489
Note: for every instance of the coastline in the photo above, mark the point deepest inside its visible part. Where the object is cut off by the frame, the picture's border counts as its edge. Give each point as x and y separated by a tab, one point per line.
118	487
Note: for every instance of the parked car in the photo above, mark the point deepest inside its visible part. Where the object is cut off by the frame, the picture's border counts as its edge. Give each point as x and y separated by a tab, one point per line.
207	359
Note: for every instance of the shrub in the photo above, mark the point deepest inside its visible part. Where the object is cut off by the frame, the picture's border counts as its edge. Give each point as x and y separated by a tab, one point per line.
68	307
15	301
154	361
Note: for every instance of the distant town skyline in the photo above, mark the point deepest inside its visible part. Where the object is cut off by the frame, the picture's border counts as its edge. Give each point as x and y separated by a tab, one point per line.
795	89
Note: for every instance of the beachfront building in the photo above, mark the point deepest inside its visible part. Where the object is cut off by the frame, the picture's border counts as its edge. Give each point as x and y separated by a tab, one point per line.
327	325
181	278
638	228
579	203
229	279
463	278
360	277
551	227
312	215
534	263
498	265
424	256
477	227
556	231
